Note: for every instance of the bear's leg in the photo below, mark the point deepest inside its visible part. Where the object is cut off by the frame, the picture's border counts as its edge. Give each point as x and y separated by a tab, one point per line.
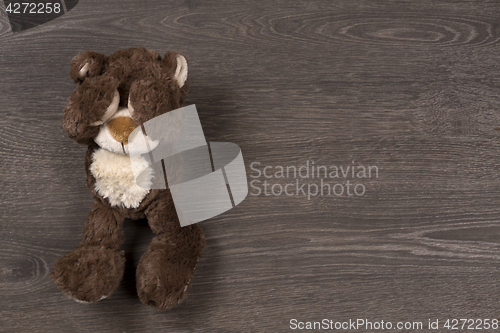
165	269
93	269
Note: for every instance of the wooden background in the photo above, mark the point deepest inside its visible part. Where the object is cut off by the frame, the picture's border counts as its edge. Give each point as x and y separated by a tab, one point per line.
409	86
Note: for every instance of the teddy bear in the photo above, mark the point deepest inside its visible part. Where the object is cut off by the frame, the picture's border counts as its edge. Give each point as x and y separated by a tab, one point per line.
114	95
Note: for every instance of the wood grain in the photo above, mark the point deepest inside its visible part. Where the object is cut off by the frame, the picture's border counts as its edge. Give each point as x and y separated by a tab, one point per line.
409	87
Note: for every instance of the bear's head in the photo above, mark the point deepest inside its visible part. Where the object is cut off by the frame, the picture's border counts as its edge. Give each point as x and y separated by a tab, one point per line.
118	93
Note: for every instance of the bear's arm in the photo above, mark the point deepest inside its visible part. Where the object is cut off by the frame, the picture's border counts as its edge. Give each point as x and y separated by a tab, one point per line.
88	161
90	105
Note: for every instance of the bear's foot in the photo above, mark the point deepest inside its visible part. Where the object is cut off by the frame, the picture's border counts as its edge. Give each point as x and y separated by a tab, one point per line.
163	274
89	273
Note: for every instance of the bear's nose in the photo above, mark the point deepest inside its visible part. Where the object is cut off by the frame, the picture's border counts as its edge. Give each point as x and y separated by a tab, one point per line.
120	128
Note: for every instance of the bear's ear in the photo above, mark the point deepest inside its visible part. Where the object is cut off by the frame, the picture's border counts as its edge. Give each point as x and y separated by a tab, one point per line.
175	66
87	64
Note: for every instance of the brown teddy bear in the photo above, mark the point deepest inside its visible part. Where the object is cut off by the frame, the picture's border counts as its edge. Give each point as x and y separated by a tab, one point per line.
115	95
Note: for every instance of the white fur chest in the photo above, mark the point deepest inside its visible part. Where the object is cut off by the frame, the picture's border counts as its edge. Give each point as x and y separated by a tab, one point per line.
115	179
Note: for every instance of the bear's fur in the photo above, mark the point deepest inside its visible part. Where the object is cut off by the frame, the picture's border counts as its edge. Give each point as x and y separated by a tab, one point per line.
114	95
